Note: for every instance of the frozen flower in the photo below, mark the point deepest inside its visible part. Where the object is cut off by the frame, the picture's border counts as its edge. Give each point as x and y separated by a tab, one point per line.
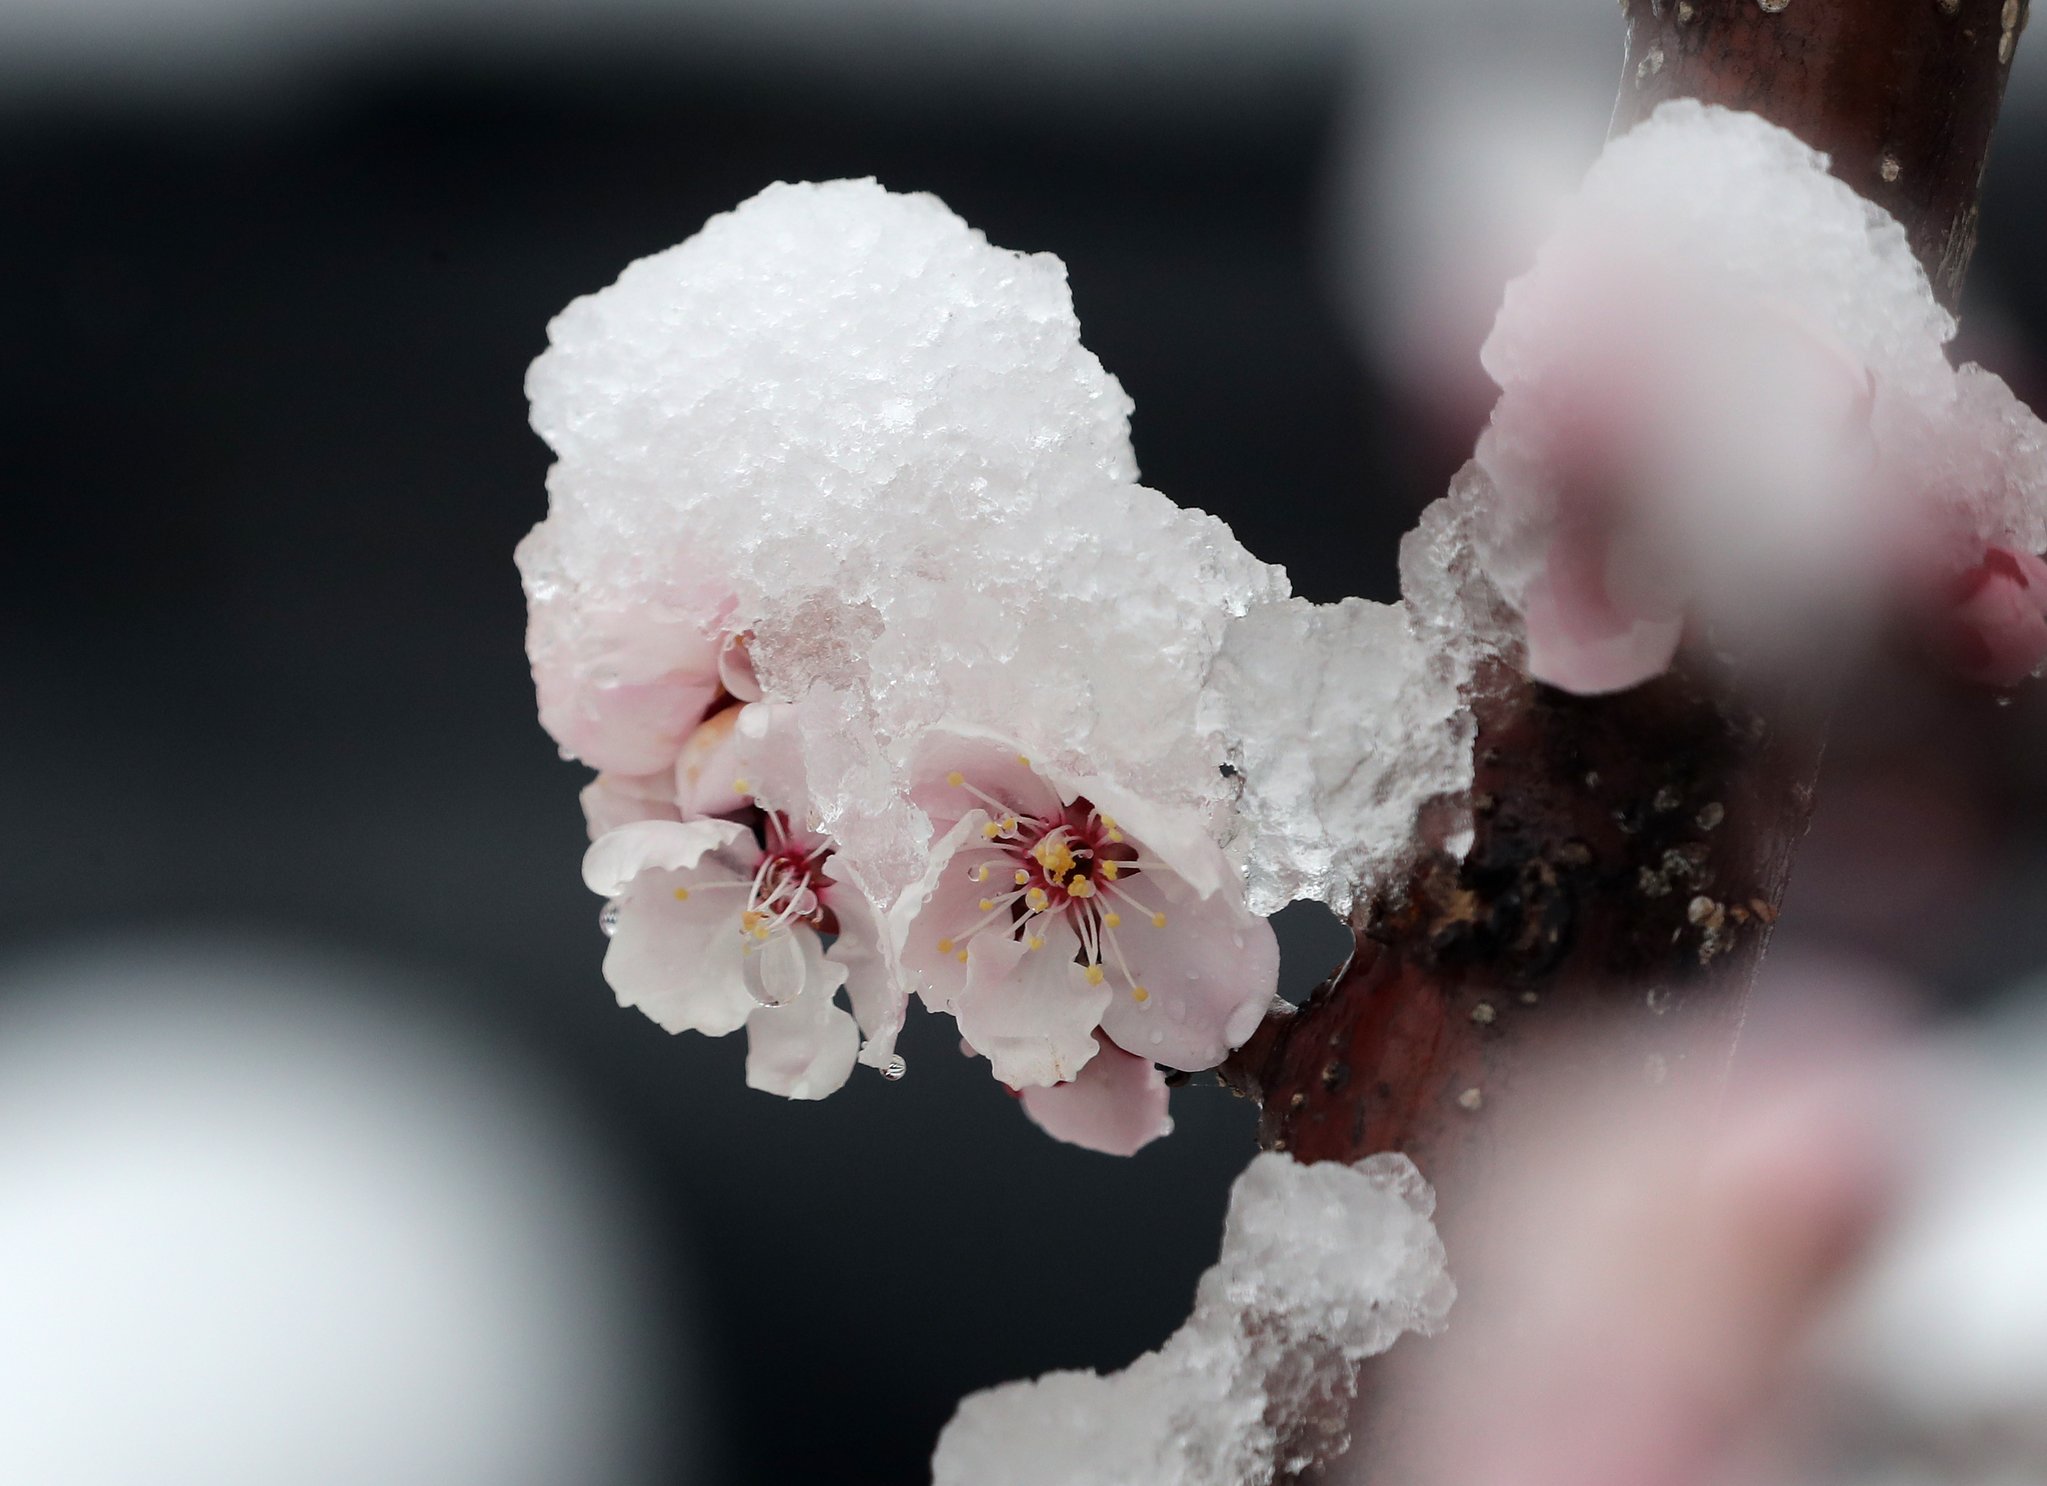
1998	619
1054	907
1116	1104
714	928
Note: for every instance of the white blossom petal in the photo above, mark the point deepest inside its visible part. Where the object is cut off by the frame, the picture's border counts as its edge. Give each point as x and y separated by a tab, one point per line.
933	917
1115	1105
614	859
611	801
1207	974
676	954
1031	1013
805	1048
776	967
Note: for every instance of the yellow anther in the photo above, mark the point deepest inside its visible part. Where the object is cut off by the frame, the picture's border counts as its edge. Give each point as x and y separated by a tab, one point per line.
1109	870
1009	826
980	873
1115	835
945	946
1037	899
987	905
1036	941
991	830
1094	975
741	787
961	957
1158	920
1108	822
1113	920
1024	760
762	932
955	779
682	895
748	918
1055	855
1080	887
1022	877
1139	994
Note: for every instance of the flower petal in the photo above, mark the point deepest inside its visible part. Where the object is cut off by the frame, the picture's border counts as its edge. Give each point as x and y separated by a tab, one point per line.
613	800
676	954
994	766
1207	974
623	694
1115	1105
931	919
1031	1013
805	1048
735	669
615	858
870	958
710	769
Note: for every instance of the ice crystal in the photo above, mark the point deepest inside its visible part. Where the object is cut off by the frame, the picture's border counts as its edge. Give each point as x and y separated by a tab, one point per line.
1321	1267
1345	724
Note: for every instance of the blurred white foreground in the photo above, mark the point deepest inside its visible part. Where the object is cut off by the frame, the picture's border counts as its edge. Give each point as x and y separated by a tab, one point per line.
263	1224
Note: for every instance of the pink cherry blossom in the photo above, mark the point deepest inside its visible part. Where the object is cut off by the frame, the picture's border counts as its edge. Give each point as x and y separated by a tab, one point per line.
1116	1104
1998	618
715	927
1053	909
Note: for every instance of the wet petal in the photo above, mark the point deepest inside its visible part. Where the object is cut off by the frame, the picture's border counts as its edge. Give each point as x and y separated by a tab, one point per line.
776	966
874	980
615	858
804	1049
676	952
1030	1013
2000	618
1115	1105
1198	983
935	915
1577	638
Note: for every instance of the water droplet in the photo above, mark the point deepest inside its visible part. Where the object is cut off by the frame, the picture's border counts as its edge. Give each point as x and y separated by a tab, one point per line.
1771	7
1890	168
894	1068
607	918
1157	1038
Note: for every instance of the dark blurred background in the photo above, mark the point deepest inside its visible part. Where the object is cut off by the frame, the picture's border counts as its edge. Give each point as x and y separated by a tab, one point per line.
270	279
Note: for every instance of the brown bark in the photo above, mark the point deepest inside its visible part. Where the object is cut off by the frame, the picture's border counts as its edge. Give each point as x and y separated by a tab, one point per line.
1631	852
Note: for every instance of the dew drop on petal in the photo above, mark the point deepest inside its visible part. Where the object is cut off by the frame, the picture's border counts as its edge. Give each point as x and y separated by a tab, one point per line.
894	1068
607	918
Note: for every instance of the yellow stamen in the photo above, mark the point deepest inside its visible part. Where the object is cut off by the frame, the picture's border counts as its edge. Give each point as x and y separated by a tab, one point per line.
1094	975
1109	870
1113	920
987	905
991	830
1139	994
1158	920
1022	877
682	895
1080	887
1055	855
762	932
1037	899
945	946
1022	759
961	957
1036	941
741	787
955	779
